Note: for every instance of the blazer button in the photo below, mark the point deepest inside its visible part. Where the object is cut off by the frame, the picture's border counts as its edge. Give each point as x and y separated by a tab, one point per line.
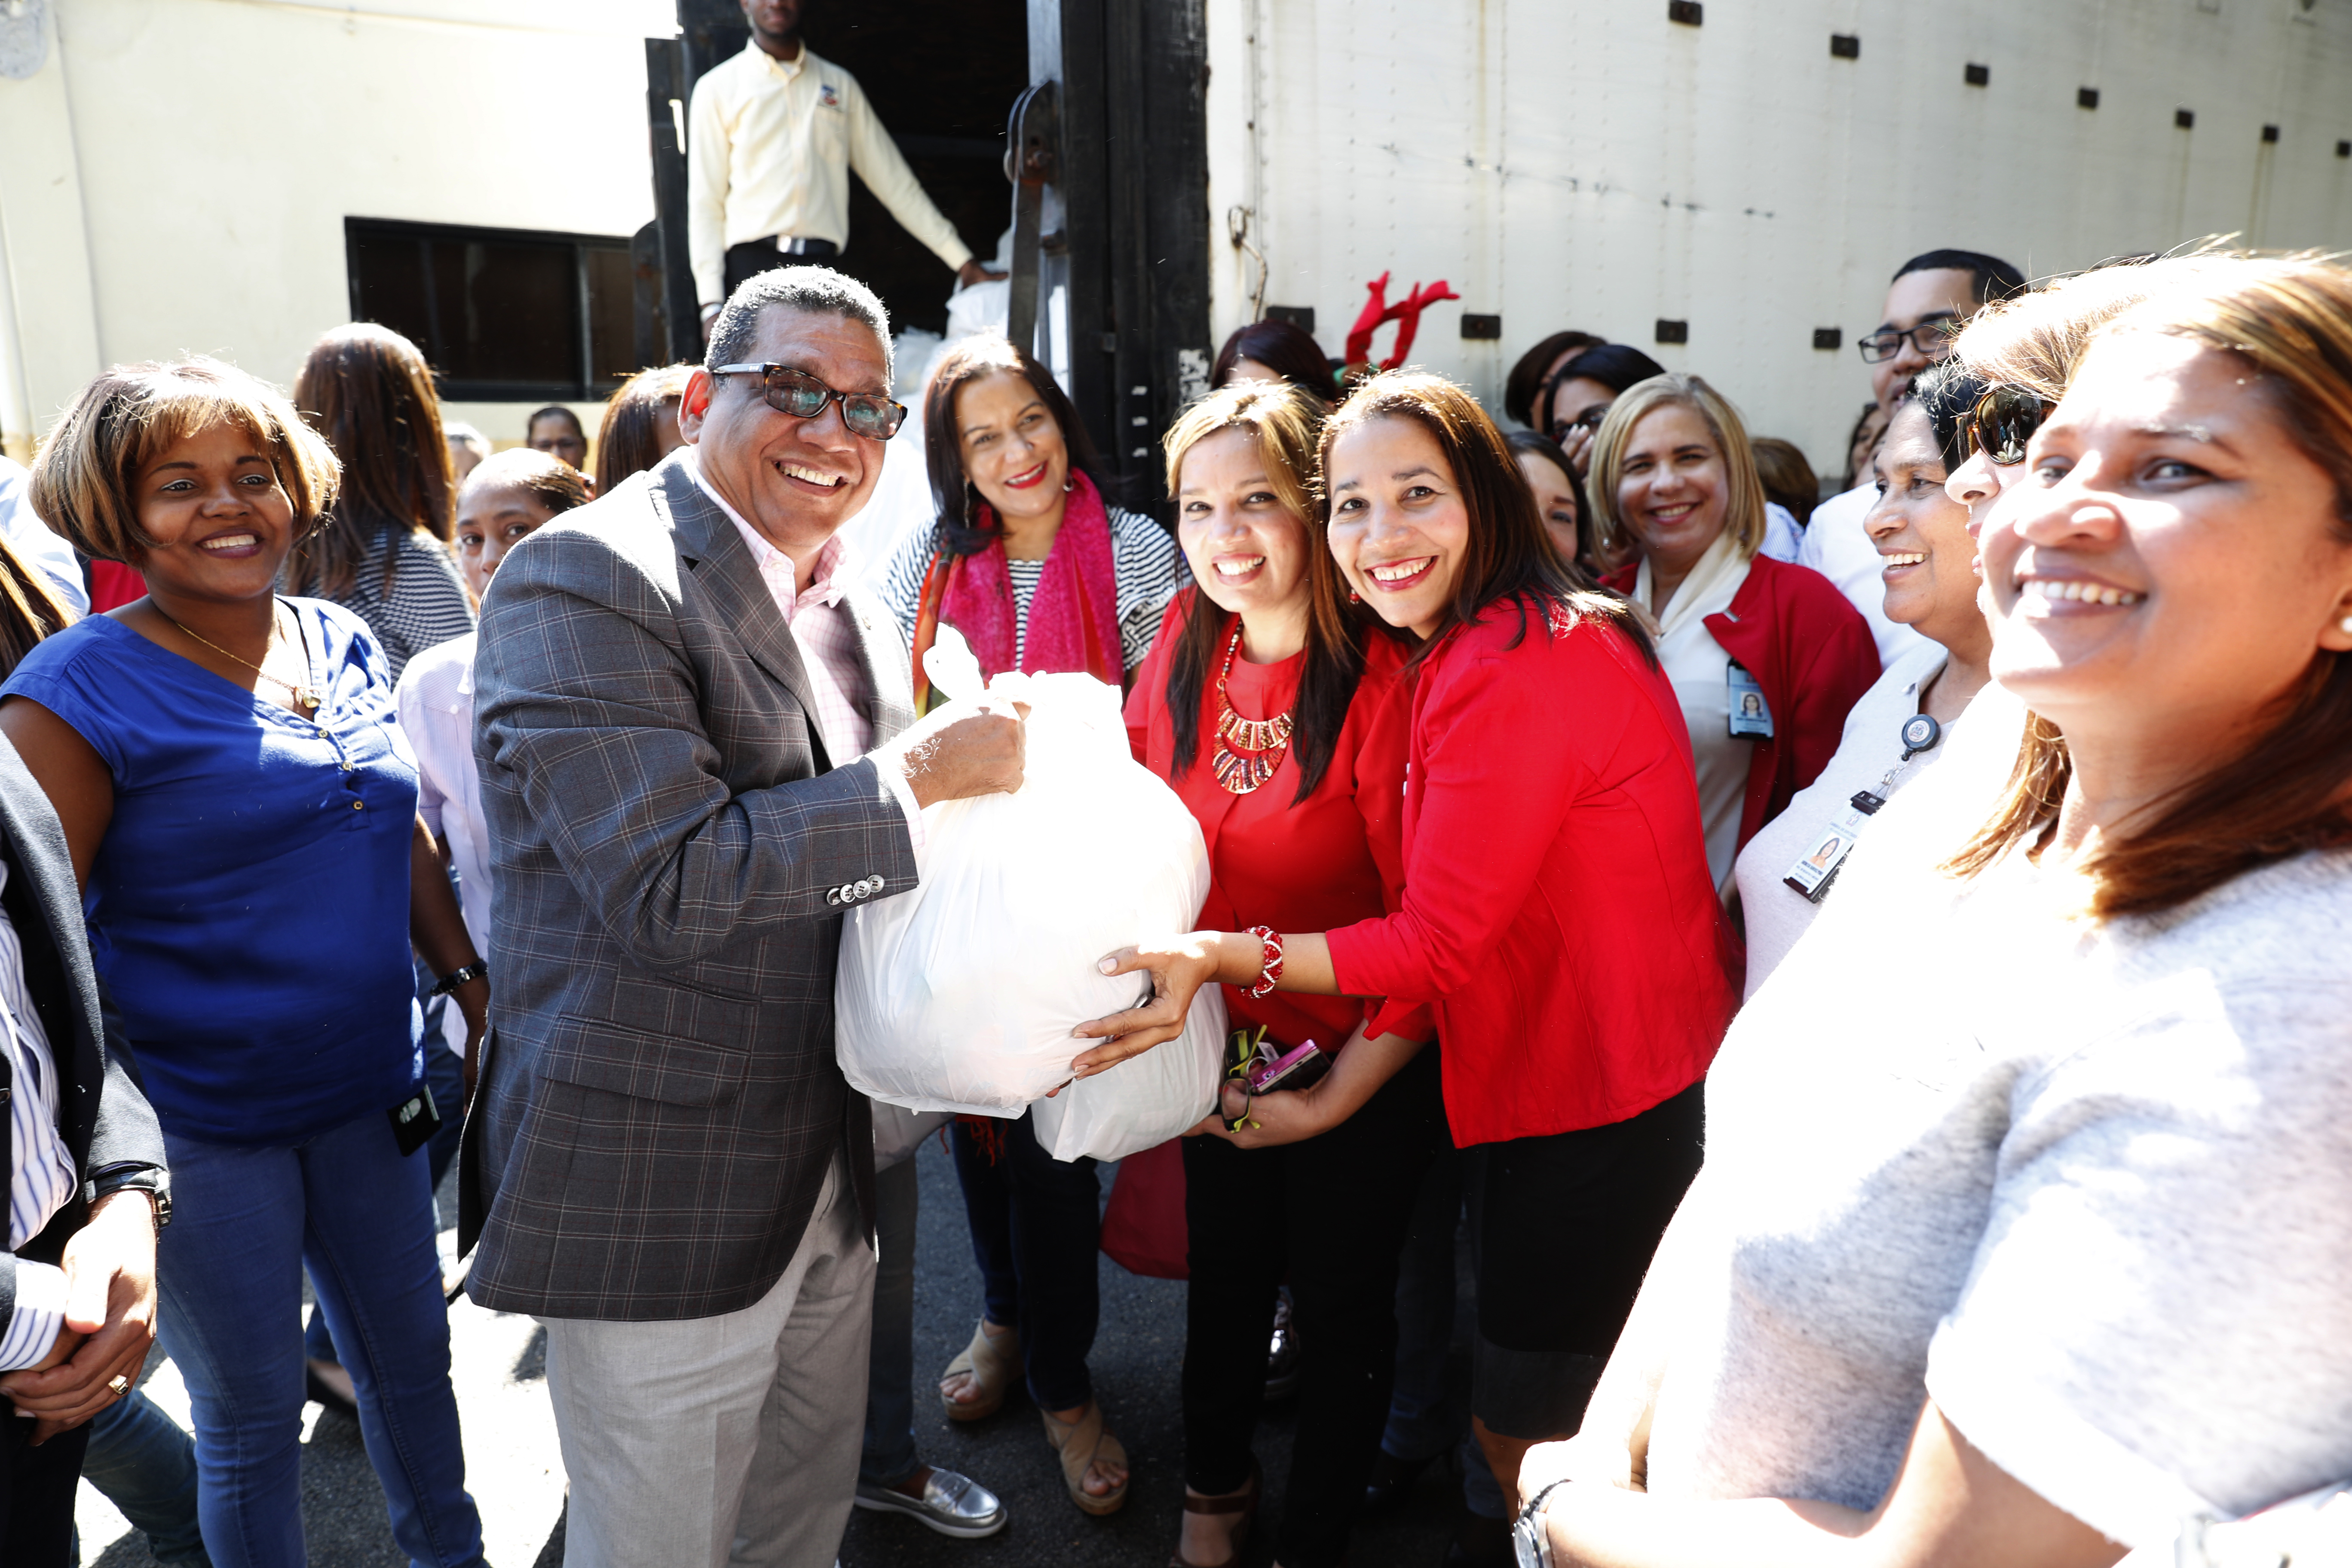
863	888
833	896
877	884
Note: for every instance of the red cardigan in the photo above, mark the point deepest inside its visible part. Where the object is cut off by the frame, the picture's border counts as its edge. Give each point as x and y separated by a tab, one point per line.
1812	653
1331	859
1558	908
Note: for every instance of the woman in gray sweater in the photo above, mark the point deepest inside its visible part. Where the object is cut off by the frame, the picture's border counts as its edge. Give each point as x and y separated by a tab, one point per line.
2021	1236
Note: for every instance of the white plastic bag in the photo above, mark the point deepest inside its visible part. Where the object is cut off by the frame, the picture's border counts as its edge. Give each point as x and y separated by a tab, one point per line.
960	995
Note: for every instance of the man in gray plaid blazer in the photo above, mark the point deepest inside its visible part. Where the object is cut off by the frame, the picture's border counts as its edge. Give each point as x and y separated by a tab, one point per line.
696	751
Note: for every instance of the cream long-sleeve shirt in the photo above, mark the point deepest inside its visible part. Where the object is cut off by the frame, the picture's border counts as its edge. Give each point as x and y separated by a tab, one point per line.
770	144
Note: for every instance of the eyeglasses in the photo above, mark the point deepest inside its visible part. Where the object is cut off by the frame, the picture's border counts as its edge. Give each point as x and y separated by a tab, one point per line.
1930	338
1590	419
2002	422
804	396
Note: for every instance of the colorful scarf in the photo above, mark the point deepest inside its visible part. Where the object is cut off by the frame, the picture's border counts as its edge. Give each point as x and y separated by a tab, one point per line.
1073	615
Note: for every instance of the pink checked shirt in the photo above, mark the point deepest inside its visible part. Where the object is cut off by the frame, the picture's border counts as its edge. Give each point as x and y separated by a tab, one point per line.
826	632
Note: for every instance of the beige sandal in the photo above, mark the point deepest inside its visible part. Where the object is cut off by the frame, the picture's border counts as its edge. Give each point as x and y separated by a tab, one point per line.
992	1362
1082	1443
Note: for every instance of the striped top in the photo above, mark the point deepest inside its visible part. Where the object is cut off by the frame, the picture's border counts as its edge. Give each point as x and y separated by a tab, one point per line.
1146	567
42	1180
426	605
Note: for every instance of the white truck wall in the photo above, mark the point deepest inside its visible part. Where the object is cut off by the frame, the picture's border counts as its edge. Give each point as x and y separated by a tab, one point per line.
176	177
1591	164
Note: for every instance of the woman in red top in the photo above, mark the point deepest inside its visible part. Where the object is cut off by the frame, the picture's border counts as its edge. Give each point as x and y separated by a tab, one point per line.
1557	911
1278	717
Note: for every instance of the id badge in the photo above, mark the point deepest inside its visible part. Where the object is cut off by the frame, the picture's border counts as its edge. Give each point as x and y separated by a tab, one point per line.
1817	867
1751	718
1811	874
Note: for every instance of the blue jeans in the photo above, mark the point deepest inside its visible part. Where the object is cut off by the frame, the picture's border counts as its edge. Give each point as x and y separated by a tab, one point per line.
146	1466
1036	1225
247	1221
445	1072
889	1455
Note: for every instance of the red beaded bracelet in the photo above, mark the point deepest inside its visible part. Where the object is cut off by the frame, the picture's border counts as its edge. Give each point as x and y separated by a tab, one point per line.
1270	967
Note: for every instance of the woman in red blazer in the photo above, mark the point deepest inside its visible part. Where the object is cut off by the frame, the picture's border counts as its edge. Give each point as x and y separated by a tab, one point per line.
1766	658
1557	913
1279	718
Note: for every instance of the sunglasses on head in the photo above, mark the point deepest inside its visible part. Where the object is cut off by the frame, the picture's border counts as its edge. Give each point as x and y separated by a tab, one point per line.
804	396
2002	422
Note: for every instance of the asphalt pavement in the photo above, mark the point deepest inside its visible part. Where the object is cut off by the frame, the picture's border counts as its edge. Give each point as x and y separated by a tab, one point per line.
516	1476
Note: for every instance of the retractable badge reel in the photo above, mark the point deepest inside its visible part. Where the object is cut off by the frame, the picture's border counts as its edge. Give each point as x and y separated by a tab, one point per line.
1818	867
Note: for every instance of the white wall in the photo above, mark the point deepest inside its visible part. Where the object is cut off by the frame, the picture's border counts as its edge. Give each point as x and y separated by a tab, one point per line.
1588	163
176	178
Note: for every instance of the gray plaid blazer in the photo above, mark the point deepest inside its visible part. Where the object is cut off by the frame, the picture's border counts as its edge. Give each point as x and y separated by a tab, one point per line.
658	1099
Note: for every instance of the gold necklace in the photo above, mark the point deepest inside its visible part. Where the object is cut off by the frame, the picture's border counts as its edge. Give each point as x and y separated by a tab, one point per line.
1266	740
304	697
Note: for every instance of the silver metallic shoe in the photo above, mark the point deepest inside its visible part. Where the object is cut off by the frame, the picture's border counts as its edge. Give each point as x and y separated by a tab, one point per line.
951	1504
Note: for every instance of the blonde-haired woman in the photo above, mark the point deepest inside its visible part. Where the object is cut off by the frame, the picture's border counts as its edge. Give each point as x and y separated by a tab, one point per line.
1281	718
2055	1266
1766	658
215	748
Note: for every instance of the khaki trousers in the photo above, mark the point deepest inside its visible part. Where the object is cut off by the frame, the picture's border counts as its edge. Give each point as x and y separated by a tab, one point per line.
725	1440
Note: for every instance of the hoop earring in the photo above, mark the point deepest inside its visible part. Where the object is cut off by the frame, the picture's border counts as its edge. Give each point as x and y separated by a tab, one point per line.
1069	483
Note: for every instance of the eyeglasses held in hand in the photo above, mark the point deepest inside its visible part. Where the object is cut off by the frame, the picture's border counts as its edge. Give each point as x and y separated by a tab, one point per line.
804	396
2003	421
1930	338
1588	420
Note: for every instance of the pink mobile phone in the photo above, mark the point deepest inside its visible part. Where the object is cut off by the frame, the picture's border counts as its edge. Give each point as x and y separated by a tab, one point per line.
1301	1067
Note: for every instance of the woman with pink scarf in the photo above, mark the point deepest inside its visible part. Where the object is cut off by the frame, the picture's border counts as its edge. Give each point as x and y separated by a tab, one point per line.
1039	572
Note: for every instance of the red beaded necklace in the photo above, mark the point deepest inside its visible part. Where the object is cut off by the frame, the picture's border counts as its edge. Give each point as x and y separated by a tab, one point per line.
1264	739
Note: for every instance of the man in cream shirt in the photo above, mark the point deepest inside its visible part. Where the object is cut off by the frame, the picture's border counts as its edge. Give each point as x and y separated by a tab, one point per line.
772	136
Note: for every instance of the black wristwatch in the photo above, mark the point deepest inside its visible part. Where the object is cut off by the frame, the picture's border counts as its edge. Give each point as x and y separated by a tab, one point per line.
1529	1543
156	1183
478	969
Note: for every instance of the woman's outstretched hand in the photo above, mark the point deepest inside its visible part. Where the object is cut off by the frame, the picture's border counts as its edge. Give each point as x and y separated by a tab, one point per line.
1179	967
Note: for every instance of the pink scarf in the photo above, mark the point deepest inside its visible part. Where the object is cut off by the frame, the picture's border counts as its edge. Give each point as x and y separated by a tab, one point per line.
1073	615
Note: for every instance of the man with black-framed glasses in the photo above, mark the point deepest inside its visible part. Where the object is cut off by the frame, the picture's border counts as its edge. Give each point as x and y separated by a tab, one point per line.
1928	301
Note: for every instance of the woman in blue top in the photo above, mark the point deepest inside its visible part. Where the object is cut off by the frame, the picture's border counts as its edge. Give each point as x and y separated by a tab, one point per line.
241	809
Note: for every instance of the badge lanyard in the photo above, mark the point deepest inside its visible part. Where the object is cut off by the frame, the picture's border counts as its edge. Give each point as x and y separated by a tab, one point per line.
1817	867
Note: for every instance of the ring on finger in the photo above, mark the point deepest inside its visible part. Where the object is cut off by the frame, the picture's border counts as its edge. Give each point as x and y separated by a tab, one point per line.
118	1384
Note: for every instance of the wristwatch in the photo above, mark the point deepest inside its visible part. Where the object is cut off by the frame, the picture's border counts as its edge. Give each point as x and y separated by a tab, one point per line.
1529	1542
155	1183
478	969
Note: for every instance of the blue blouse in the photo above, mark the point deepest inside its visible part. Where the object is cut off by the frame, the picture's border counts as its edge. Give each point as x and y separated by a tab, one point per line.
248	908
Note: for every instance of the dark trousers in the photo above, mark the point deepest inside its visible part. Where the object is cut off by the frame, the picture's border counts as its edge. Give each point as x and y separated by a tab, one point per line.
1567	1227
889	1455
753	257
1035	1224
1330	1215
36	1492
